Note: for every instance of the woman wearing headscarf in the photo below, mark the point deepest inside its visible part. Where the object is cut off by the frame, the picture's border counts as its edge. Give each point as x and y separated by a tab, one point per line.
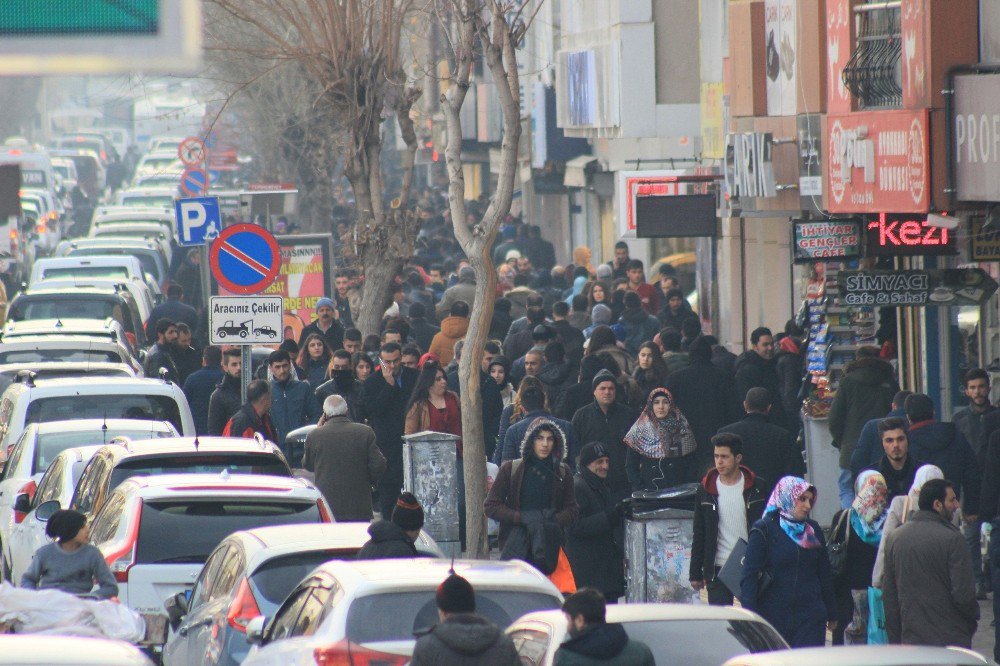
859	529
499	370
651	371
661	445
581	257
579	282
900	510
786	571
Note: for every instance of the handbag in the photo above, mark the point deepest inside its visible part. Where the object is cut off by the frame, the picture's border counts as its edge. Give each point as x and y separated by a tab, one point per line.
765	577
836	551
877	635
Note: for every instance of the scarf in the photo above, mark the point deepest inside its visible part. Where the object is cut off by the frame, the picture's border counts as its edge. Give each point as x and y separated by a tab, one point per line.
868	511
669	437
789	344
924	474
782	502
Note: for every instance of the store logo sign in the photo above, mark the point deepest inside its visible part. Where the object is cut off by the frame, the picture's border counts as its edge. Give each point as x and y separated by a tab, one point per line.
899	235
749	166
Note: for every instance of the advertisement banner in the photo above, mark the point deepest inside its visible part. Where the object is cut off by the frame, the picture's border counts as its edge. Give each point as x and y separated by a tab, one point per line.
932	287
823	240
713	134
878	161
839	41
976	137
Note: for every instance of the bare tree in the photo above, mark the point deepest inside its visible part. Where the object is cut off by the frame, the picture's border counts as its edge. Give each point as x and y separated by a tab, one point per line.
351	48
490	29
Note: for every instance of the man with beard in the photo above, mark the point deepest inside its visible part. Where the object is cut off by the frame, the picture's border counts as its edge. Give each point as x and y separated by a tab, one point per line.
756	367
186	357
293	403
342	382
592	640
969	420
342	282
325	325
160	355
897	466
225	400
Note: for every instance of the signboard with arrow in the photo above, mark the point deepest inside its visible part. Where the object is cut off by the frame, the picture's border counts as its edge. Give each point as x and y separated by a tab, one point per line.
930	287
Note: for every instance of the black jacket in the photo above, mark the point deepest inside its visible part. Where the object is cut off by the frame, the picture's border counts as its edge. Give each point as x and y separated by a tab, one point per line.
860	559
158	357
465	640
383	407
489	393
754	370
572	339
705	538
350	393
897	481
591	424
422	332
942	444
770	451
604	644
790	373
334	335
572	399
593	542
556	378
388	540
198	390
705	396
990	496
224	402
971	424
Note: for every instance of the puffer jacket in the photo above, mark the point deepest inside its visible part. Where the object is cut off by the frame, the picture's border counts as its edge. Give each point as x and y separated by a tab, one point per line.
465	639
388	540
452	330
223	403
293	405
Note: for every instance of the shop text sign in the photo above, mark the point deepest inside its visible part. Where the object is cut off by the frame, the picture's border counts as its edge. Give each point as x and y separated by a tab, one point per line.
976	136
984	245
933	287
818	240
749	165
908	236
878	161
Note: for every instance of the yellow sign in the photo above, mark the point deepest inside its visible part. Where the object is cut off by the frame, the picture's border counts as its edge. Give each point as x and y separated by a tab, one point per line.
985	244
713	134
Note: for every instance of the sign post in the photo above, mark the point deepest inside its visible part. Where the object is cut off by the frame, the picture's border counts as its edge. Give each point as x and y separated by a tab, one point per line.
198	220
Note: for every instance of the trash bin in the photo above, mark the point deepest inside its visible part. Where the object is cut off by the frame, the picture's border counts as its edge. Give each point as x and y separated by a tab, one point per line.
822	469
430	472
659	528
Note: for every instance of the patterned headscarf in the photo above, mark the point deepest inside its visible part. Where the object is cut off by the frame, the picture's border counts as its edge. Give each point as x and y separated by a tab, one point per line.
782	502
670	437
868	511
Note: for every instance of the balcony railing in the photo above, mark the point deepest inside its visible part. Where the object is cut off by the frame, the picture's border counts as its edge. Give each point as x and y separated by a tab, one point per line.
873	74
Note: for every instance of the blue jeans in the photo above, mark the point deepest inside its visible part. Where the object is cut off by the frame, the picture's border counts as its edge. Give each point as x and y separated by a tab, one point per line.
971	534
846	483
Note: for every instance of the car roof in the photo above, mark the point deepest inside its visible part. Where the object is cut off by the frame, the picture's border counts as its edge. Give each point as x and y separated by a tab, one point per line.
862	655
141	447
98	327
113	385
305	537
80	453
76	425
655	612
92	260
74	368
372	576
54	287
149	189
218	486
57	341
48	649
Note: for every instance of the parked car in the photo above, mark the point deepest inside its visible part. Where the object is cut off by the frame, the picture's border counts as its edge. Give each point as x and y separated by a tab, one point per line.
31	330
75	301
148	252
865	655
10	373
70	650
118	268
722	631
147	231
156	532
210	624
371	609
60	346
148	195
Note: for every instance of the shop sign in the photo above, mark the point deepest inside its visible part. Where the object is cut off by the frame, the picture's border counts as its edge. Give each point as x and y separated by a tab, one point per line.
713	135
984	245
908	236
654	183
878	161
749	165
933	287
976	137
820	240
809	128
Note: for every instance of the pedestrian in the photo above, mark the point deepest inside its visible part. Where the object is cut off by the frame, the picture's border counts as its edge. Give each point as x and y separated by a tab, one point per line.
594	541
786	574
363	365
865	392
619	265
461	637
345	462
294	403
186	357
570	336
603	341
225	400
325	326
757	367
607	421
71	563
556	373
859	531
661	446
174	309
671	344
464	290
421	330
676	310
200	384
901	509
384	396
729	500
579	315
636	325
499	368
769	450
160	356
254	416
868	450
592	640
453	329
928	586
313	360
342	285
342	382
395	538
532	404
897	466
651	371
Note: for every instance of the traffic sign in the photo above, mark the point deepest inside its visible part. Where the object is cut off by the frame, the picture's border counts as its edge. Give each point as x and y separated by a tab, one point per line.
194	181
198	220
191	151
245	258
245	320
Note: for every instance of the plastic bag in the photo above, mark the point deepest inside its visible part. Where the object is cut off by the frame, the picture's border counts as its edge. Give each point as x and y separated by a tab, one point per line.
56	612
876	618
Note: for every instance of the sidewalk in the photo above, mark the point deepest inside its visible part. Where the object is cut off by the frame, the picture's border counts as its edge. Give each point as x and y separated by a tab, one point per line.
982	642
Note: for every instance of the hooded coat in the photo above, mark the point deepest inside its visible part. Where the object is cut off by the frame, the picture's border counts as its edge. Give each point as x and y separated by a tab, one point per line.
388	541
865	392
452	330
637	327
593	543
943	444
556	378
705	396
754	370
465	639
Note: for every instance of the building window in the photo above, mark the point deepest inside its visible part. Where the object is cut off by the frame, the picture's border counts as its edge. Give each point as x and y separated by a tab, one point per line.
873	74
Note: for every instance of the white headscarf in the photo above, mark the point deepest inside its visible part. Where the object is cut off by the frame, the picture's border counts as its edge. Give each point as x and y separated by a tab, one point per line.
924	474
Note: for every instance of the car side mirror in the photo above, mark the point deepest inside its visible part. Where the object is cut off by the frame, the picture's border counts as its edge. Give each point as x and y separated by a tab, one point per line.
46	509
176	607
22	503
255	630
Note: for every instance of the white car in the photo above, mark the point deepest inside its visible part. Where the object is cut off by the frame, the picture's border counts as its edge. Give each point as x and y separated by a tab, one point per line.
372	608
41	331
158	161
118	268
29	650
58	348
18	371
865	655
145	196
722	631
141	295
147	231
148	252
156	532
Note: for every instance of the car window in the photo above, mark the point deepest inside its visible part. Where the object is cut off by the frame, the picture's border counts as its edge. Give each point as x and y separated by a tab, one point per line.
230	571
108	519
14	460
87	487
51	484
51	444
6	411
75	306
71	272
207	463
57	355
110	406
312	613
274	579
531	645
203	587
671	641
285	620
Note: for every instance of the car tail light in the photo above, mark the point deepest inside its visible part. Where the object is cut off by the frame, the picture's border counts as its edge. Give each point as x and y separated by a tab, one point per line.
243	609
29	488
346	653
131	339
40	228
324	513
122	558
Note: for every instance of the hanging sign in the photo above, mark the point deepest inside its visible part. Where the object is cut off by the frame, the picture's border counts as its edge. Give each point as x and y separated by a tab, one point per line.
821	240
908	236
942	287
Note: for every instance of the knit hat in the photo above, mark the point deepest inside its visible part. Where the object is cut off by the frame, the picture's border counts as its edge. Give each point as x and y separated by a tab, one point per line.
408	513
325	302
600	314
604	272
601	377
591	452
455	595
512	254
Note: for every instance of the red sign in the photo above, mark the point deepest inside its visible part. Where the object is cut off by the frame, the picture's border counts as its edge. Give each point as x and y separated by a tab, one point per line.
908	235
839	43
245	259
878	161
915	80
269	187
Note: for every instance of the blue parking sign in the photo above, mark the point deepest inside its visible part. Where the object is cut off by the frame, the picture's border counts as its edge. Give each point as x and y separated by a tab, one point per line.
198	220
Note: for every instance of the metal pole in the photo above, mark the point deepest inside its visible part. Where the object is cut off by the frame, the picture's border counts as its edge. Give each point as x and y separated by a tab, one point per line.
246	374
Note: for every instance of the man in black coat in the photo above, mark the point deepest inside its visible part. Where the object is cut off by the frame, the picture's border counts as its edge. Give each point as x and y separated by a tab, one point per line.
225	399
704	394
571	337
757	367
593	543
325	325
395	538
342	382
160	355
898	466
174	309
200	384
770	451
421	331
607	421
383	404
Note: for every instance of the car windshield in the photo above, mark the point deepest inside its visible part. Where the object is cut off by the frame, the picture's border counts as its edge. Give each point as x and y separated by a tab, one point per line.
51	444
105	406
114	272
187	531
147	260
7	377
199	463
671	641
275	578
60	355
397	616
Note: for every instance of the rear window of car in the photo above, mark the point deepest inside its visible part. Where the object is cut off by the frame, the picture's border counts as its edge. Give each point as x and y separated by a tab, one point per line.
110	272
398	616
147	260
671	641
73	306
275	578
57	355
106	406
49	445
187	531
213	463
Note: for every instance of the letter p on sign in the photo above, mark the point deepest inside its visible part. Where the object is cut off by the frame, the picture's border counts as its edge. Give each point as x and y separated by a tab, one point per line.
198	220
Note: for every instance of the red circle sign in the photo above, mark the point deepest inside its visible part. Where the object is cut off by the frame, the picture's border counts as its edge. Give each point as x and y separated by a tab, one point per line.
245	259
191	151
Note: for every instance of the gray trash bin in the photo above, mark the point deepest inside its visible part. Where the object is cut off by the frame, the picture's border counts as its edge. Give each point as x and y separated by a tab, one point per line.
658	534
430	472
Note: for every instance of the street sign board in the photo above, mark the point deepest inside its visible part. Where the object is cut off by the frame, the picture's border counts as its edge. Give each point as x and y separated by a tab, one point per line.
191	151
194	181
245	259
930	287
245	320
198	220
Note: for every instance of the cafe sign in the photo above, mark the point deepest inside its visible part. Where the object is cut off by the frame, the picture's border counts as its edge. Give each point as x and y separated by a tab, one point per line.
932	287
823	240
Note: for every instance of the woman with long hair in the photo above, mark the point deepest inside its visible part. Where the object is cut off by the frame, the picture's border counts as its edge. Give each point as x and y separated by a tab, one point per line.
651	371
600	292
362	364
432	406
515	411
499	369
786	571
313	359
661	445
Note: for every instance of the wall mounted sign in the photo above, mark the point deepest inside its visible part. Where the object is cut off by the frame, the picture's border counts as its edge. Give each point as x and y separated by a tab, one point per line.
946	287
749	165
976	137
822	240
984	245
908	236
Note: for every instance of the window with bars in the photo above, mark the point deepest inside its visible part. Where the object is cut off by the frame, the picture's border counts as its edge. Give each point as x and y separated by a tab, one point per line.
873	74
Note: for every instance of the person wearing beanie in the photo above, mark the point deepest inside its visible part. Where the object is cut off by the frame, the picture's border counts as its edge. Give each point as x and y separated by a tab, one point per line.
396	537
462	638
70	564
326	325
604	272
594	542
606	420
600	315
